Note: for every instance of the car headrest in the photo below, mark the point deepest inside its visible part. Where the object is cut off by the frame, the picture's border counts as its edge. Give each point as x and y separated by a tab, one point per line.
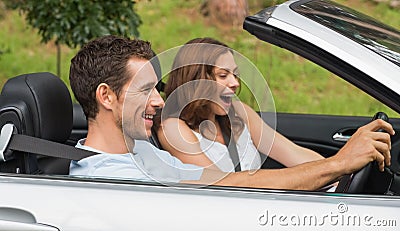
43	100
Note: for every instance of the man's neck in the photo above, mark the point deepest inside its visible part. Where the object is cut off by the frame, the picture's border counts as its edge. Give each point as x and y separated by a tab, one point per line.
105	136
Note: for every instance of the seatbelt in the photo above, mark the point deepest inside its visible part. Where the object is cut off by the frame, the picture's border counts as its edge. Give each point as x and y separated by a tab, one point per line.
233	153
232	149
9	141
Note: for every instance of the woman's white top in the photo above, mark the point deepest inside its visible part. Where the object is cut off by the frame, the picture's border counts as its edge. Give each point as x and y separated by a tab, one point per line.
218	153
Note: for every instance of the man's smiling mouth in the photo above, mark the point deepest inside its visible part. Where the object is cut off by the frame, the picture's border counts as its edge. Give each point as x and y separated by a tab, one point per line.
148	116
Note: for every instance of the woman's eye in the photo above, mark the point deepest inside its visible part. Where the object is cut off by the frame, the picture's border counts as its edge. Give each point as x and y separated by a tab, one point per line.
222	75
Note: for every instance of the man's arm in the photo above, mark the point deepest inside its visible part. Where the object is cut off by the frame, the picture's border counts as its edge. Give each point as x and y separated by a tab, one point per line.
308	176
364	146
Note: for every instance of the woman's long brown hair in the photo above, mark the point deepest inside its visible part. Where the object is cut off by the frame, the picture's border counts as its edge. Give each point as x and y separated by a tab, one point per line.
196	61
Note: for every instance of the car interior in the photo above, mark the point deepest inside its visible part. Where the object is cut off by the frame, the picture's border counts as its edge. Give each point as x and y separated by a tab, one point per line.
34	104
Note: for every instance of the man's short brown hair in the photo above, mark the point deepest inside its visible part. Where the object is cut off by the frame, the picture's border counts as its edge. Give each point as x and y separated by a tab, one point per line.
104	60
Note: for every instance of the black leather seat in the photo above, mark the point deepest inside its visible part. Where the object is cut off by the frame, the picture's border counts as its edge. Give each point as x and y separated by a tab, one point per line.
39	105
79	125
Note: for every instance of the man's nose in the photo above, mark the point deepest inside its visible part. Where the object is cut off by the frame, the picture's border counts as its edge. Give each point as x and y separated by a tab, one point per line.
156	100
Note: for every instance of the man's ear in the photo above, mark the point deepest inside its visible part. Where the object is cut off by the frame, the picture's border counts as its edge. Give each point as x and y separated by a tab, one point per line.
105	96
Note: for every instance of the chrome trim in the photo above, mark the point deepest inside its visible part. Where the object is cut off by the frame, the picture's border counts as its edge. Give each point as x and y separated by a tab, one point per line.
340	137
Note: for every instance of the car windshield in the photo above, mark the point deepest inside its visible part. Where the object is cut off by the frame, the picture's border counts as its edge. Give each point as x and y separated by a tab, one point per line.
361	28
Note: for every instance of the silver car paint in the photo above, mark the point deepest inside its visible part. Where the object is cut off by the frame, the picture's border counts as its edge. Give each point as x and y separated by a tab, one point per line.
81	205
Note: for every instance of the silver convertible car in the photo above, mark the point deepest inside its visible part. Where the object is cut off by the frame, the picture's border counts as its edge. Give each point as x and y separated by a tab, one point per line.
40	126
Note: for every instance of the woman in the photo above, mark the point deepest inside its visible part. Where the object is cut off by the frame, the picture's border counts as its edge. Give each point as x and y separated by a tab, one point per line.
199	106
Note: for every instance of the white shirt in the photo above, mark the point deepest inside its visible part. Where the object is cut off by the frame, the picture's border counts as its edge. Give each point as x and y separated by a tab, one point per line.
218	153
146	163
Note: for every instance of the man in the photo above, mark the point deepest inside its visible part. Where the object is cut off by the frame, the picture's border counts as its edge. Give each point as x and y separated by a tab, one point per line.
114	83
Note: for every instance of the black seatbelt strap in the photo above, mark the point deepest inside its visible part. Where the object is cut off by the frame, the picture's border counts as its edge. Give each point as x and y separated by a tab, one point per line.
233	153
45	147
23	143
232	149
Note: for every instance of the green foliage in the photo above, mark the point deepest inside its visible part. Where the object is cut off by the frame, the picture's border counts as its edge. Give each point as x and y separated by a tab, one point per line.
268	3
75	22
297	85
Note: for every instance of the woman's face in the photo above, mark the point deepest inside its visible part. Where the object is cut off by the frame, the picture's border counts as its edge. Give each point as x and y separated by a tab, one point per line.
226	75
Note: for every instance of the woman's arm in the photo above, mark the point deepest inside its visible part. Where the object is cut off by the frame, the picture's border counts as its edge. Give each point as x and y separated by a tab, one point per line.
178	139
280	149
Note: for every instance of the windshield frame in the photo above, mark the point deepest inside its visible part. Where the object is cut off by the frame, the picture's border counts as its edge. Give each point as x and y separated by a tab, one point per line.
376	36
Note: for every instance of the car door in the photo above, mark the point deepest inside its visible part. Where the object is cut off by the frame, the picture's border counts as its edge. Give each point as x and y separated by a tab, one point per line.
68	203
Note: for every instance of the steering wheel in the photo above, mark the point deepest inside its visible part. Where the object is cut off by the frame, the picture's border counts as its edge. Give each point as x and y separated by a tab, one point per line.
357	182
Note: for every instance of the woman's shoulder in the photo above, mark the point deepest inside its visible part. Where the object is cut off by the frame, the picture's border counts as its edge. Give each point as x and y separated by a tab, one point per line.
242	110
174	121
176	129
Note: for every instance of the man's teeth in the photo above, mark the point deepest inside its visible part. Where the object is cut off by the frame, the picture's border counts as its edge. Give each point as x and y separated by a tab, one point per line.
146	116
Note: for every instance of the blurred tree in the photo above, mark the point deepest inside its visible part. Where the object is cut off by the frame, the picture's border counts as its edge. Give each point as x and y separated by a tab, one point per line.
75	22
225	12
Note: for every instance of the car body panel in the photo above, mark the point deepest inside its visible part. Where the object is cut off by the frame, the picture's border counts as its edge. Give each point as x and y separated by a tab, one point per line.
83	205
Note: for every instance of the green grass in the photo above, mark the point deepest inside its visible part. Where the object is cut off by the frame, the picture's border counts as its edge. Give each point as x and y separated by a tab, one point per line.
297	85
24	53
166	23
